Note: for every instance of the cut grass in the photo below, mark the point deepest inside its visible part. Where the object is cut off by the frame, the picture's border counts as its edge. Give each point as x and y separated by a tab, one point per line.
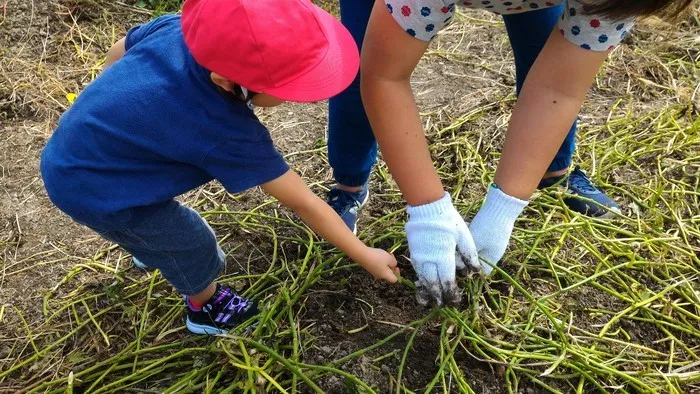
160	7
565	313
579	305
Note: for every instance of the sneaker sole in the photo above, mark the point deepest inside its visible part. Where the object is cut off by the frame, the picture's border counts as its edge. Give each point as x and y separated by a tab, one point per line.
139	264
610	214
362	204
196	328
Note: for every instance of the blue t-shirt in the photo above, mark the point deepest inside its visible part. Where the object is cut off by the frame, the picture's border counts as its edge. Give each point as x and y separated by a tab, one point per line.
151	127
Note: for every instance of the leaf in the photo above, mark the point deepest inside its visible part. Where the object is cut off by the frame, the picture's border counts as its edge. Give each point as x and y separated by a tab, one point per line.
141	3
71	97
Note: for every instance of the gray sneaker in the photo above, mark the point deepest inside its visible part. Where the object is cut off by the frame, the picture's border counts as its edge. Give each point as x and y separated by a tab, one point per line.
584	196
347	204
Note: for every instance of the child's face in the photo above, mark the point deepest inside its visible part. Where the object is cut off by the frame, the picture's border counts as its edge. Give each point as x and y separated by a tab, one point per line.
259	99
265	100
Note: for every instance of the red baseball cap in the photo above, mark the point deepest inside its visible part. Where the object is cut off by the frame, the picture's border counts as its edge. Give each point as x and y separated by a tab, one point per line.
289	49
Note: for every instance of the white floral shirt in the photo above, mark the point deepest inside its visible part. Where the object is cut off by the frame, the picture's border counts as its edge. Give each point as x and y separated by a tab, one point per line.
424	18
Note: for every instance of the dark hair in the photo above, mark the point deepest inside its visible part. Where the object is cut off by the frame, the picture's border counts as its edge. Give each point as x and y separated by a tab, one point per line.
238	90
236	94
621	9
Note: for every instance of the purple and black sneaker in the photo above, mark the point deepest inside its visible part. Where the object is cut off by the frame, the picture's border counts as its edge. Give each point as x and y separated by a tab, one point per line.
222	312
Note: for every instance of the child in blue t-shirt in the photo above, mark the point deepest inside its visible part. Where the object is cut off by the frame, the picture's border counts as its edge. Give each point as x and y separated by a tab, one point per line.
172	111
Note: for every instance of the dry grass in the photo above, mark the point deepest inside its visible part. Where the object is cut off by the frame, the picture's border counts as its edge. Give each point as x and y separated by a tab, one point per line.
579	305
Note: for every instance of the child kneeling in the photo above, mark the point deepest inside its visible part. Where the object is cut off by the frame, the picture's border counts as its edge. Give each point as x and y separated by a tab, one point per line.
174	110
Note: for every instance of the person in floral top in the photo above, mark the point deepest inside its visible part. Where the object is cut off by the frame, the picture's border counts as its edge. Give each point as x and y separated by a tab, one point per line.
558	47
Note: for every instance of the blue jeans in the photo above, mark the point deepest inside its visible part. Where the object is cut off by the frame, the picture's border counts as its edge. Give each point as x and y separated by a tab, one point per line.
352	149
177	241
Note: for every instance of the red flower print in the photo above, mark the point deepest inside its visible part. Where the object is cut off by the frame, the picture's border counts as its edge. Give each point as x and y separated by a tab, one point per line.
595	23
406	10
444	9
549	4
467	3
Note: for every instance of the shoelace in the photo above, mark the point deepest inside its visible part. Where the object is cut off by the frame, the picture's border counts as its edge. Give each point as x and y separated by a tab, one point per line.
340	199
580	181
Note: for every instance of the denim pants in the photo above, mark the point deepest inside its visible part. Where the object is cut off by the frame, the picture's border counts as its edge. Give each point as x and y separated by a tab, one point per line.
177	241
352	148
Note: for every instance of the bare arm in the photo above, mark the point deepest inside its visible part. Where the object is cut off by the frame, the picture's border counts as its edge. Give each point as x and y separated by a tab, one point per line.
556	86
291	191
551	97
389	56
115	52
434	229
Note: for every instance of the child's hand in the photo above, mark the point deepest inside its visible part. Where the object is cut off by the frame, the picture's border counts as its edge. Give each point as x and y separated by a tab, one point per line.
381	264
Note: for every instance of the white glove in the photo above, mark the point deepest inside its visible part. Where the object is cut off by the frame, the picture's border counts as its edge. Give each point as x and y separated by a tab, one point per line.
493	225
434	232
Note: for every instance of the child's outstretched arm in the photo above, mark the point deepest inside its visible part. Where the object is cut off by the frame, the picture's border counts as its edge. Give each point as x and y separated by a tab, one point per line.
115	53
293	193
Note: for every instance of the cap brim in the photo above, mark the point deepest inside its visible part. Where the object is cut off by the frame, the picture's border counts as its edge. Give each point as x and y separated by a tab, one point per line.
333	74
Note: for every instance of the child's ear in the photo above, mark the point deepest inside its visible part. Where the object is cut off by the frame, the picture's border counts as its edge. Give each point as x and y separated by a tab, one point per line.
222	82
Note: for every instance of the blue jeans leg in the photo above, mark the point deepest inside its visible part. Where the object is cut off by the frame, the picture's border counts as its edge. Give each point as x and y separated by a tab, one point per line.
352	149
528	32
176	240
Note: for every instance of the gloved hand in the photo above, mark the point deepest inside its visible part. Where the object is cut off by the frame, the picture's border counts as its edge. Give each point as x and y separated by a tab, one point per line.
439	242
493	225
